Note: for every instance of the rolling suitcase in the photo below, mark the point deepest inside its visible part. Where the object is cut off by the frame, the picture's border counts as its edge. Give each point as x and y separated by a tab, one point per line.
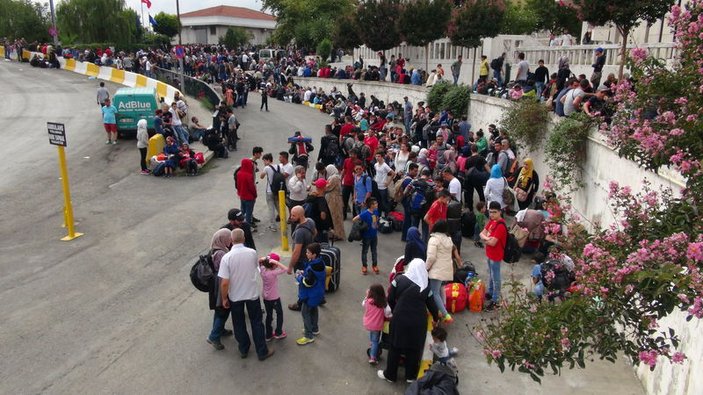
332	257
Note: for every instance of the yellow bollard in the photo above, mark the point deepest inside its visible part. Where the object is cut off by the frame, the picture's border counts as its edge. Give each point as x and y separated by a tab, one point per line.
72	234
282	215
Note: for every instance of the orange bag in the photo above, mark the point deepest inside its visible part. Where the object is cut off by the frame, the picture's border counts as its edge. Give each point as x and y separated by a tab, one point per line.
477	294
456	297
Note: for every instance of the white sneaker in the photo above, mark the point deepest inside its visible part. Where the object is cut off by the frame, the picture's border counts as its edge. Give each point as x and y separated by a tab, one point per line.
273	229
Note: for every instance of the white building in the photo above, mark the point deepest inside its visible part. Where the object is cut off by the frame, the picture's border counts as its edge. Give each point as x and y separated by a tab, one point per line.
206	26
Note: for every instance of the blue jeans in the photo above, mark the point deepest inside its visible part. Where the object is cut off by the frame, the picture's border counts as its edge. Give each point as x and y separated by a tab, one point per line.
437	295
498	77
248	210
181	134
539	290
365	244
375	338
240	326
310	317
383	208
539	87
218	324
494	280
456	78
271	306
408	122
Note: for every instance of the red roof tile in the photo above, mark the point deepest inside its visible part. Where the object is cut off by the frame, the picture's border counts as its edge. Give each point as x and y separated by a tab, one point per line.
230	11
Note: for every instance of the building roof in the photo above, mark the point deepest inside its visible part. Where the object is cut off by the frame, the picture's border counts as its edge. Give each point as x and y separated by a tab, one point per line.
230	11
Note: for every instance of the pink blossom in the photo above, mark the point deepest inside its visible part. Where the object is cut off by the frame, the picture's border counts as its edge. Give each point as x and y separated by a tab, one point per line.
682	101
528	365
697	308
638	54
648	358
653	324
683	298
695	251
480	336
496	354
693	117
678	357
676	132
565	343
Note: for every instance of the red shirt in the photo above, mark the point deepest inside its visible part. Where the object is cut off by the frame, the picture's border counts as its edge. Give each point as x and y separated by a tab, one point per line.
345	130
495	229
372	142
348	169
437	211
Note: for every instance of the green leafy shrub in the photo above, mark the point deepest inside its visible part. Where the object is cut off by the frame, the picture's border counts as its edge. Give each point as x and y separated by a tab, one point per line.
456	100
436	95
324	48
526	123
565	150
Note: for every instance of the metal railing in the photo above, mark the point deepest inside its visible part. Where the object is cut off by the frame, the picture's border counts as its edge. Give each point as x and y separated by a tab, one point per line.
583	54
194	87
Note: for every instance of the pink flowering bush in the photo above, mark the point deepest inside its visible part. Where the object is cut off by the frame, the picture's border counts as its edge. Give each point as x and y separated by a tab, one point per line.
648	263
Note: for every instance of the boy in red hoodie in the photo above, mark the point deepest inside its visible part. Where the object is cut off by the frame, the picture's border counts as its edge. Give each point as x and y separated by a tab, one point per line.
246	188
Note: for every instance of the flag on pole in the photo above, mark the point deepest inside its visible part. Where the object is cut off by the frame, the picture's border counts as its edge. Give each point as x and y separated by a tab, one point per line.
152	21
147	2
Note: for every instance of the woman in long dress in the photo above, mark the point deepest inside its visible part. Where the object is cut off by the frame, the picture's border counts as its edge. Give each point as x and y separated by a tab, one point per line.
334	201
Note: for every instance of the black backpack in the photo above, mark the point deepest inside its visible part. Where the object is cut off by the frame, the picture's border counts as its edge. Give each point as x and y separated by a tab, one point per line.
561	278
202	274
278	181
494	64
511	250
234	175
332	147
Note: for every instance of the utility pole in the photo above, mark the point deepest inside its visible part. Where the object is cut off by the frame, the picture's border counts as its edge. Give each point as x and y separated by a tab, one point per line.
180	42
54	32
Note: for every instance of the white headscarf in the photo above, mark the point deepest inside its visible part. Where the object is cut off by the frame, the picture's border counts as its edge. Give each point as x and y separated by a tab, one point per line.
331	170
417	273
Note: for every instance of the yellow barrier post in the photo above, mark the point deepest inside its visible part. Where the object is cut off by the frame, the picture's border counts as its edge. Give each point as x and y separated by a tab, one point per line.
282	215
57	136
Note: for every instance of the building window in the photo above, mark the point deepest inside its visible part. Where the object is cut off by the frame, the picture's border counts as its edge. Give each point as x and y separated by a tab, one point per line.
213	30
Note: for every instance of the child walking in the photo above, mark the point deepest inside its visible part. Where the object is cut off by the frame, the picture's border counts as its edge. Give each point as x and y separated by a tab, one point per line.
271	268
376	309
311	291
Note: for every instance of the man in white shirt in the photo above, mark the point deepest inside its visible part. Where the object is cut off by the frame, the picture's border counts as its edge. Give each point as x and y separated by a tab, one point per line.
522	69
286	167
573	98
239	271
383	177
271	199
181	133
307	94
454	184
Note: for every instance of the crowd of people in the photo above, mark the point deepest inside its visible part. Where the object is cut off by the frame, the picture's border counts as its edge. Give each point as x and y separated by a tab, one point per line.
433	175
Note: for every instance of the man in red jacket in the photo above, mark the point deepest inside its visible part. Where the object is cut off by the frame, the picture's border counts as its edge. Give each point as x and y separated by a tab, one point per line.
246	188
494	235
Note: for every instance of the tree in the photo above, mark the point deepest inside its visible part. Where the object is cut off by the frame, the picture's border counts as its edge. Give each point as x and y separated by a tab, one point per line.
646	265
626	15
346	32
167	24
424	21
306	22
520	18
324	49
98	21
475	20
24	19
379	19
235	37
555	16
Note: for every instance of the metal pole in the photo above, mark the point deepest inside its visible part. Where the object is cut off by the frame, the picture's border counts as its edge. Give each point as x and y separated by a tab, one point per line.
180	42
53	24
282	215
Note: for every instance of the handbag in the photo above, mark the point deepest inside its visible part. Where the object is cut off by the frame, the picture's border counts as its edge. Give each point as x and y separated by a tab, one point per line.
520	194
508	194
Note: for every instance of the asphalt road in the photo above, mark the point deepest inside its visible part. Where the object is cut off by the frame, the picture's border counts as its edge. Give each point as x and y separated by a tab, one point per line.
114	311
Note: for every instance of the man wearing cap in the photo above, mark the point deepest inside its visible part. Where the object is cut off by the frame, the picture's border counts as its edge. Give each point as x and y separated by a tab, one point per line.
236	220
595	105
239	272
598	67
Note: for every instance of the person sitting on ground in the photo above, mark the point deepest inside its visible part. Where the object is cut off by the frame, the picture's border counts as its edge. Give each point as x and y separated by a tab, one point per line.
197	131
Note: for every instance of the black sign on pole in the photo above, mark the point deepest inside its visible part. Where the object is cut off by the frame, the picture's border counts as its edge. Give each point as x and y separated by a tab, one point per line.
57	133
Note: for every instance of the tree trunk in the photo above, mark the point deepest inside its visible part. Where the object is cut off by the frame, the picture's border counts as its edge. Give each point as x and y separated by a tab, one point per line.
427	57
623	51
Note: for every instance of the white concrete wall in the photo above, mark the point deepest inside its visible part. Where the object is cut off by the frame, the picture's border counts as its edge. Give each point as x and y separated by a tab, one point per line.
382	90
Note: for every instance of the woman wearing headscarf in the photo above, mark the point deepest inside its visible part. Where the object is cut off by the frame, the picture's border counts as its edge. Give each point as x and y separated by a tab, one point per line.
409	298
219	246
526	184
493	191
333	194
423	160
415	247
